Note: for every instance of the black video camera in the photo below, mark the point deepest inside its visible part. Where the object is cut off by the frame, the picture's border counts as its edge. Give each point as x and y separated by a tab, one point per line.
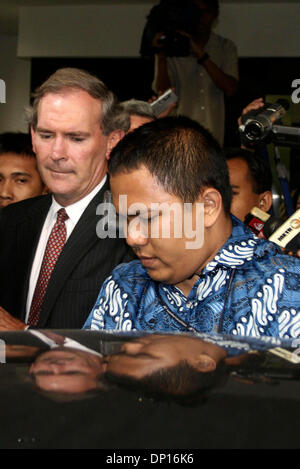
258	127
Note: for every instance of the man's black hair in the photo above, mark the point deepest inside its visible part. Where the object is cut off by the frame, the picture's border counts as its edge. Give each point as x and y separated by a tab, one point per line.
16	142
180	153
259	169
181	383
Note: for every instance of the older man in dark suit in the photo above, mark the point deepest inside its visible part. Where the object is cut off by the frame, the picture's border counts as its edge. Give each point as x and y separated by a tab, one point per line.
52	261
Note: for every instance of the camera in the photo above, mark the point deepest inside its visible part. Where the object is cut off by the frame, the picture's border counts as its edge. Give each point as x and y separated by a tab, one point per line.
169	18
259	126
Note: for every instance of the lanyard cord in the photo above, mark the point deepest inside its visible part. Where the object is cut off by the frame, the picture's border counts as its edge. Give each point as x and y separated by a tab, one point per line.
188	326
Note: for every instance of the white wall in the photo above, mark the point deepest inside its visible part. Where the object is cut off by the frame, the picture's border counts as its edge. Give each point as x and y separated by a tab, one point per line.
263	29
16	74
81	31
259	30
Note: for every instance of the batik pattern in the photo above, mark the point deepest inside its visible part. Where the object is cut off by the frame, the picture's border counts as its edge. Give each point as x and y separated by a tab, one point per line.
248	289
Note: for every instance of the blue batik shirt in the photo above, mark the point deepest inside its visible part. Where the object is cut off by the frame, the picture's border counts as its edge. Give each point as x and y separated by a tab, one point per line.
248	289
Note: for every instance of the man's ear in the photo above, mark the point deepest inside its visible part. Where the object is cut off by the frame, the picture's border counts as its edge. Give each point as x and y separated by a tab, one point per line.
203	363
265	201
213	205
114	137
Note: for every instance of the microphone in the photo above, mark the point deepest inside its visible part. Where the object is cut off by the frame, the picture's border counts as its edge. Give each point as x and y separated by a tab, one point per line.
256	219
284	234
287	234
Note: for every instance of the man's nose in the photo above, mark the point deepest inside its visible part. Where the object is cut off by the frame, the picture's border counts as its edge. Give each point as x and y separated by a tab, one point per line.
132	348
58	150
136	235
6	189
56	367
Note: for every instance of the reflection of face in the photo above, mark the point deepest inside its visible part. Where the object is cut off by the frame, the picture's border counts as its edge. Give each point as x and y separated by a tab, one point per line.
244	199
165	258
67	370
19	179
136	121
70	147
147	355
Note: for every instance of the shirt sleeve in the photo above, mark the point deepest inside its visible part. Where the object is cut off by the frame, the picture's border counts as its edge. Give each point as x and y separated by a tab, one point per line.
109	306
230	59
117	303
171	74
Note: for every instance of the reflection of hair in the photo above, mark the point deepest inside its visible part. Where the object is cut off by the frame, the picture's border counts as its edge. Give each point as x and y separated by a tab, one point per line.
71	397
259	169
138	108
73	78
16	142
182	383
180	153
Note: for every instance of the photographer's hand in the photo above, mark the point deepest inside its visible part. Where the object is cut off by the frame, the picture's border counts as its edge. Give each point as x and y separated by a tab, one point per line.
256	104
225	82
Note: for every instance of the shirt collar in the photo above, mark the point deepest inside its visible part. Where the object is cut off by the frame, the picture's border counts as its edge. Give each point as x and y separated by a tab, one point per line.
240	248
75	210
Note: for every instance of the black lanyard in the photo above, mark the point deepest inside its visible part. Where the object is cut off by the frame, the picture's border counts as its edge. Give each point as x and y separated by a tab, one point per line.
188	326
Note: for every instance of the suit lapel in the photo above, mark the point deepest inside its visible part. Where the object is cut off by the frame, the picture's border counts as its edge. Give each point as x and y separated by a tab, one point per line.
28	234
83	237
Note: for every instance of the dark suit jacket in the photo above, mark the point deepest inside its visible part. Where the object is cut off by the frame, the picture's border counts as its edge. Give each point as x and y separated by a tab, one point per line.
82	267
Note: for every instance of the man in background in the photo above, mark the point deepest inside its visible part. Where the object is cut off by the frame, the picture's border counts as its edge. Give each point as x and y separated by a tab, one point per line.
251	181
19	175
202	78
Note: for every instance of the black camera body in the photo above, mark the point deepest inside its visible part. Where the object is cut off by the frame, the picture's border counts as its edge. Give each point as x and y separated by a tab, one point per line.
175	44
258	127
169	18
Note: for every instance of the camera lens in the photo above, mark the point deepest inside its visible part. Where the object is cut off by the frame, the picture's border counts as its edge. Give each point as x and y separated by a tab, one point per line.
253	130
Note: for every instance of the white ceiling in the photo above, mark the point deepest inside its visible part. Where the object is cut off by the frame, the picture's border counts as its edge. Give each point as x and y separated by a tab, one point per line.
9	10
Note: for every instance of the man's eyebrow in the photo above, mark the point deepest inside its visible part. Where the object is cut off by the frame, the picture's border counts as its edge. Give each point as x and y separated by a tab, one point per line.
19	173
73	132
148	212
41	129
137	355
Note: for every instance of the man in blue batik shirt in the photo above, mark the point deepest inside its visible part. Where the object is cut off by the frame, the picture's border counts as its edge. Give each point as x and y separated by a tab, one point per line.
199	268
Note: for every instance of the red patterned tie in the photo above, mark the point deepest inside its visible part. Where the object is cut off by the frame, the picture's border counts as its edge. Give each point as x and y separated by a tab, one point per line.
53	249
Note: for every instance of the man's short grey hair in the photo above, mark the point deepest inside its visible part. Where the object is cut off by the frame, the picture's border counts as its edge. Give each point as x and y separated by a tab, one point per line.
138	108
113	116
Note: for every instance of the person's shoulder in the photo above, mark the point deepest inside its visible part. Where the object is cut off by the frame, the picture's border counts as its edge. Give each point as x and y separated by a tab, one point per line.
26	204
269	256
287	262
20	210
222	41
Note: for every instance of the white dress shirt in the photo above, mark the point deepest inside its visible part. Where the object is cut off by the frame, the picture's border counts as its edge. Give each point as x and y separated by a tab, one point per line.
68	343
74	212
198	97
